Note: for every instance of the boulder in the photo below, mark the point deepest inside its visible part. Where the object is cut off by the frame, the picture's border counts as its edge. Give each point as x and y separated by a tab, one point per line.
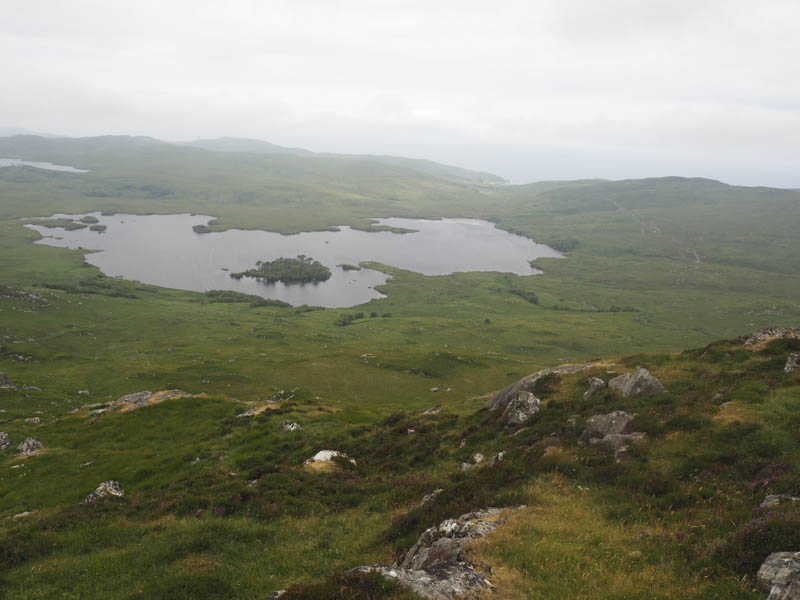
442	544
775	499
5	381
476	460
595	383
4	441
29	446
792	362
291	426
445	583
33	420
780	574
614	430
521	409
326	456
436	566
617	422
105	490
635	384
276	595
501	399
432	411
497	458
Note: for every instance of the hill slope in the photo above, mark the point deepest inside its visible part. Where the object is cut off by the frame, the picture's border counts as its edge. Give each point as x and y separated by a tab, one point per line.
217	505
429	167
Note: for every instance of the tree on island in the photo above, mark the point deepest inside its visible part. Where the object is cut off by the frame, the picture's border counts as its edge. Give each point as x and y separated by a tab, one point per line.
300	269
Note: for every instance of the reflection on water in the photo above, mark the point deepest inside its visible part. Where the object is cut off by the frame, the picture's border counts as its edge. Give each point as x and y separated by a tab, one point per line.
163	250
15	162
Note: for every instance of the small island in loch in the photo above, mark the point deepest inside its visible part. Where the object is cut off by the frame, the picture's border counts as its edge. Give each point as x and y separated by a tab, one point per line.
300	269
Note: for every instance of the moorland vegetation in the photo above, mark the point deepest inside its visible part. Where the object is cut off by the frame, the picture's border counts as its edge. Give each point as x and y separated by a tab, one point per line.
218	505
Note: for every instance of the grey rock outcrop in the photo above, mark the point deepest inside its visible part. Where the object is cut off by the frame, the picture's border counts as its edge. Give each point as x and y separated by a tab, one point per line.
780	574
614	430
763	336
276	595
104	490
443	583
497	458
428	498
29	446
4	441
33	420
477	459
521	408
595	383
635	384
327	456
619	442
617	422
792	362
775	499
140	399
436	566
501	399
291	426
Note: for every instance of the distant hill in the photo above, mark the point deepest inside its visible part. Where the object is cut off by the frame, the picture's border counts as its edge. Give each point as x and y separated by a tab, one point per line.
429	167
231	144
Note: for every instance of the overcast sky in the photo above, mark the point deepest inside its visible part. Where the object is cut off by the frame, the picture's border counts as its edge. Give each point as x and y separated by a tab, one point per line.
530	90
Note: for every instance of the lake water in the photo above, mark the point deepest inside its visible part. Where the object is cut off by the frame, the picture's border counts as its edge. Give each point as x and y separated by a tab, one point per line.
16	162
163	250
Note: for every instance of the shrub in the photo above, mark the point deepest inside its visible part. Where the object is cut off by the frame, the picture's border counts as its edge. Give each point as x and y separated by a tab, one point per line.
773	531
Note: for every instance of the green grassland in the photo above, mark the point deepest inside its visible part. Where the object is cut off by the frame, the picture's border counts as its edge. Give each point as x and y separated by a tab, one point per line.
688	261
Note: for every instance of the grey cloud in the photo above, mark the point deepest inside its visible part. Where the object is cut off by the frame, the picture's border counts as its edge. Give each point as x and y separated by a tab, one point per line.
530	89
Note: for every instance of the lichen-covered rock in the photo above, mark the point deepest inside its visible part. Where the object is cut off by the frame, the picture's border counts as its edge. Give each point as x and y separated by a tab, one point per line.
291	426
521	409
635	384
502	398
617	422
428	498
442	544
444	583
4	441
595	383
776	499
619	442
780	574
327	456
764	336
476	460
614	430
497	458
29	446
436	567
104	490
140	399
792	362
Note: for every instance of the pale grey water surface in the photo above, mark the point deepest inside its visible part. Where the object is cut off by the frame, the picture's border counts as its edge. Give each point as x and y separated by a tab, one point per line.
16	162
163	250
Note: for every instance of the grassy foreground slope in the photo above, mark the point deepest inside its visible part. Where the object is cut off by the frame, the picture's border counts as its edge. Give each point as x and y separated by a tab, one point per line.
220	506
